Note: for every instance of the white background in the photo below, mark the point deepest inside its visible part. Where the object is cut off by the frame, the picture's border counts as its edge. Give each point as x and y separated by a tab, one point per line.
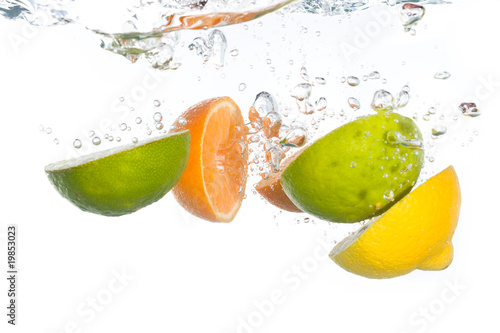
188	275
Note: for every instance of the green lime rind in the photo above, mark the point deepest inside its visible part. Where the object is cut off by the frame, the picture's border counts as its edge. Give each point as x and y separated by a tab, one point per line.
120	181
344	176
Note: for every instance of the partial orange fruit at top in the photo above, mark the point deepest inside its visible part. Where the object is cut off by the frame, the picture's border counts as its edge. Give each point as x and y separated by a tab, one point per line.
213	185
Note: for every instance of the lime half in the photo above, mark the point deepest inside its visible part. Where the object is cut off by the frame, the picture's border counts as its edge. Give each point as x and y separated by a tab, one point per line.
122	180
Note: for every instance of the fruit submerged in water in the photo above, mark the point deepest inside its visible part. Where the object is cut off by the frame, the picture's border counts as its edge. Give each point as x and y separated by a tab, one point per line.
122	180
213	185
414	234
357	171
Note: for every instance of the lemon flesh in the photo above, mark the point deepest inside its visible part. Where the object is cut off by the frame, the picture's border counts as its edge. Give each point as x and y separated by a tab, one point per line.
122	180
416	233
358	170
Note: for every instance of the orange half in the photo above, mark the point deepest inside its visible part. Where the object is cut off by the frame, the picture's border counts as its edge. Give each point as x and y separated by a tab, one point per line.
213	185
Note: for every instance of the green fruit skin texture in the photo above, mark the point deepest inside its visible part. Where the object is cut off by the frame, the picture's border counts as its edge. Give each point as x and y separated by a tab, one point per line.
122	183
323	182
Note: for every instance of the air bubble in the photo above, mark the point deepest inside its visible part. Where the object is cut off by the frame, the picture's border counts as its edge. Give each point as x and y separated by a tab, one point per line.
96	141
158	117
469	109
374	75
442	75
382	101
77	144
303	74
354	103
321	104
439	130
301	91
389	195
352	81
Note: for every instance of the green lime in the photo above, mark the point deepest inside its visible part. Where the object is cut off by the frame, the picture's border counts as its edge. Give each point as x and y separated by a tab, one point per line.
358	170
122	180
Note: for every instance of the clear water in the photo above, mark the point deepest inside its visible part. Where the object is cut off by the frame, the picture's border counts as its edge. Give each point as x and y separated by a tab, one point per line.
148	29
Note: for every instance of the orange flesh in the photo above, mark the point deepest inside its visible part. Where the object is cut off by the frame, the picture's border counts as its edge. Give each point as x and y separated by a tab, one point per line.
224	168
213	184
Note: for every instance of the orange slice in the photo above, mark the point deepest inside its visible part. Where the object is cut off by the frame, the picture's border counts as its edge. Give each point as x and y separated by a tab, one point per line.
213	185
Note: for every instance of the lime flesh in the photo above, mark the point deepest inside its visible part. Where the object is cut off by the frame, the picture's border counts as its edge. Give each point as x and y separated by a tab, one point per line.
358	170
122	180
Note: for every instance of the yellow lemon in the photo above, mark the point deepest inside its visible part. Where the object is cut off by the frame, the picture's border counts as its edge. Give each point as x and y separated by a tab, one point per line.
413	234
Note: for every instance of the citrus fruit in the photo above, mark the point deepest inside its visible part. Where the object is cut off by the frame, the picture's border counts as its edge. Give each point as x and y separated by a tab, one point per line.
414	234
358	170
122	180
272	190
213	185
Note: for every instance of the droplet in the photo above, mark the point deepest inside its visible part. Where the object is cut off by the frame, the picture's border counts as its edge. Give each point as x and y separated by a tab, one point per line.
394	137
352	81
469	109
296	137
426	117
96	141
442	75
389	195
402	99
182	121
406	88
242	86
77	144
303	74
438	130
118	139
320	81
342	79
273	156
134	140
354	103
306	107
374	75
158	117
159	126
234	52
382	101
432	110
122	99
321	104
263	104
48	130
123	126
56	141
241	147
301	91
254	138
271	124
156	103
138	120
410	14
353	164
